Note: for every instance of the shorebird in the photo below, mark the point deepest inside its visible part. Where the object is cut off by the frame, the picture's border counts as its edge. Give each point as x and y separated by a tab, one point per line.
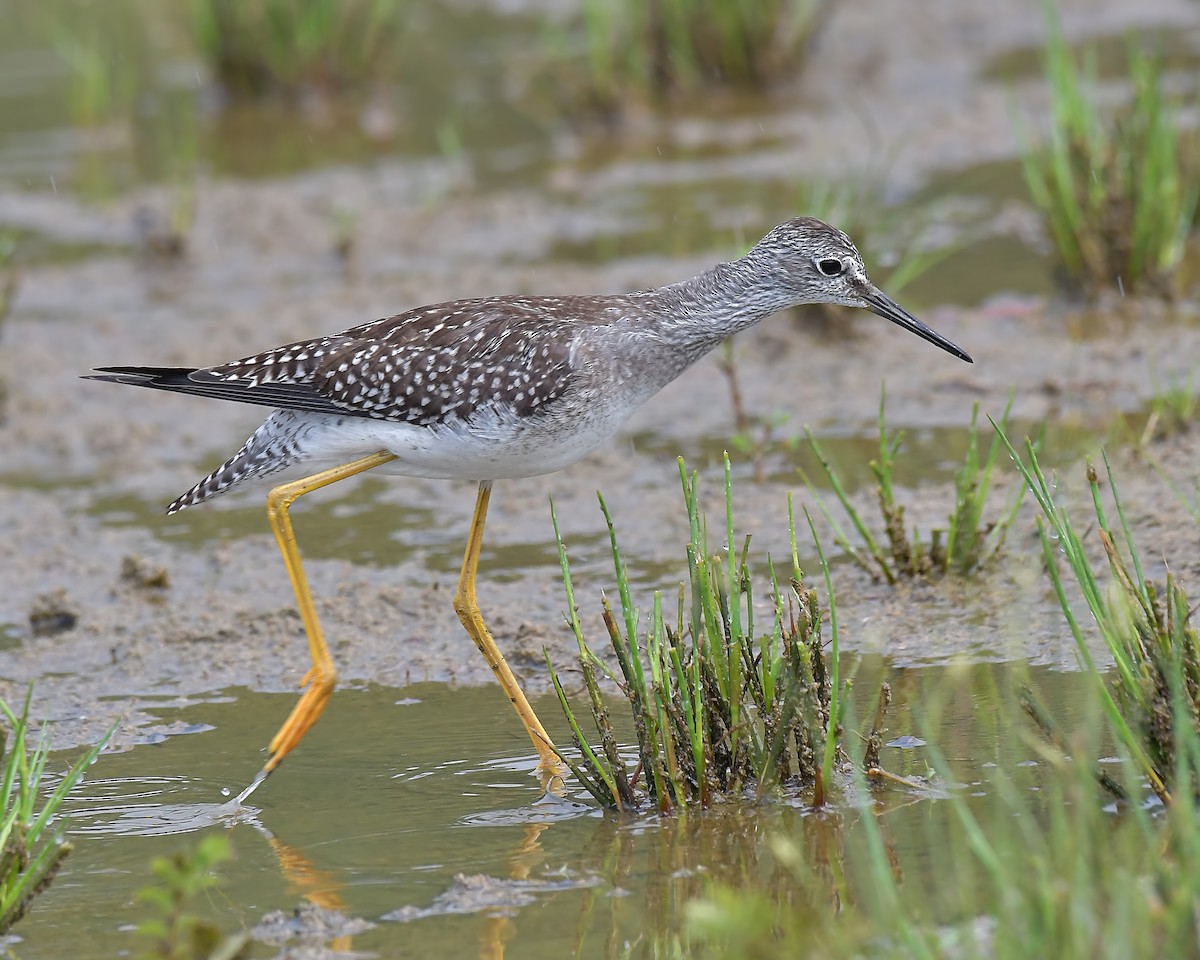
491	389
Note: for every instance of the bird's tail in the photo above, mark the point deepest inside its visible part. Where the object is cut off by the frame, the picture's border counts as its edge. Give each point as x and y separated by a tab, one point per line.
270	449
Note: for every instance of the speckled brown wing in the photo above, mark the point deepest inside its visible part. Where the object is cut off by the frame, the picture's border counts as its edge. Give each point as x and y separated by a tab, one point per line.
431	364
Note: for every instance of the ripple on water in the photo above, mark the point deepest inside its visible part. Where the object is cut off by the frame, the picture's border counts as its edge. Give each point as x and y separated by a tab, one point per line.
140	808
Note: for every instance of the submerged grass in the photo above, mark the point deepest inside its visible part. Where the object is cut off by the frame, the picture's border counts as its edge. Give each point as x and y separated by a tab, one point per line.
720	705
32	849
1117	193
1045	873
1153	700
1054	871
1028	858
964	547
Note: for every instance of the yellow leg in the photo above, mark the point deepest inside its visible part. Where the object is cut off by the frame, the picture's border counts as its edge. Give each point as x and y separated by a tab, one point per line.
322	675
467	609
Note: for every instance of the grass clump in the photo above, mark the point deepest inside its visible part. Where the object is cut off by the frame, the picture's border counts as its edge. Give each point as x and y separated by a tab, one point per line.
1153	700
1117	195
132	117
32	850
259	47
721	704
104	54
1173	409
174	932
651	49
964	547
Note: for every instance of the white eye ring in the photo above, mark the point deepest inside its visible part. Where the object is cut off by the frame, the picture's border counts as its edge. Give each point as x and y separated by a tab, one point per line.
831	267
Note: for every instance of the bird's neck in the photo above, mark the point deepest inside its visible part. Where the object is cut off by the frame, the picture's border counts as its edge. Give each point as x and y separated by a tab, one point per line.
667	329
704	310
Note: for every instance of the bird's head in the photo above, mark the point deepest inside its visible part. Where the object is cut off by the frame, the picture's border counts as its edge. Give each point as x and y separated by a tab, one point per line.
814	262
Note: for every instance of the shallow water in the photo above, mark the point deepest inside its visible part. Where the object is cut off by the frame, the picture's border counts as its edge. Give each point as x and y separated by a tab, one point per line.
398	791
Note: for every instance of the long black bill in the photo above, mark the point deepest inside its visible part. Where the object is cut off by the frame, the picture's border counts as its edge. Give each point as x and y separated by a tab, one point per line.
889	309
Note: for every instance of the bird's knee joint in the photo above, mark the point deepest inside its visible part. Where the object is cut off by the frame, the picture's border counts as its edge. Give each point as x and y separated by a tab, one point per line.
464	602
279	499
323	679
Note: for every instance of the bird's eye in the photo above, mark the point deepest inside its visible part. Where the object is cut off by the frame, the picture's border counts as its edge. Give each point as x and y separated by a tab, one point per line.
831	267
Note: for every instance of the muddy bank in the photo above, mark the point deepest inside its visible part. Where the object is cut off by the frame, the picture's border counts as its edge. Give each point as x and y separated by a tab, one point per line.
227	619
86	468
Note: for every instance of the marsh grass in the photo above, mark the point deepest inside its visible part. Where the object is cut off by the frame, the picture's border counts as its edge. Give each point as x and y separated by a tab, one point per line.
115	59
1010	873
965	546
634	50
260	47
1007	871
1153	699
32	848
722	704
1173	409
1028	858
105	54
1118	196
1047	873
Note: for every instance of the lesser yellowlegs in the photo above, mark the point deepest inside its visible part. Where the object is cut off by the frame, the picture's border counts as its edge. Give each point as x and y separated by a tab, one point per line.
490	389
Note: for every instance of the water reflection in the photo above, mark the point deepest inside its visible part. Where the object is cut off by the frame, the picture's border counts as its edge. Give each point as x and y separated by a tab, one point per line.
418	815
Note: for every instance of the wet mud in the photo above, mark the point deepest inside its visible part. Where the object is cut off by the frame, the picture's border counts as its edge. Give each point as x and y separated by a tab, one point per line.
152	608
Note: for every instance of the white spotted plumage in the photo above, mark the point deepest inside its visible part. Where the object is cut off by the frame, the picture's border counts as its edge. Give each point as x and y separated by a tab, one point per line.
507	387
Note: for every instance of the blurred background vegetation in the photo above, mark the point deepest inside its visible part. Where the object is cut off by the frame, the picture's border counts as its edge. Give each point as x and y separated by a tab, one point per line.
167	92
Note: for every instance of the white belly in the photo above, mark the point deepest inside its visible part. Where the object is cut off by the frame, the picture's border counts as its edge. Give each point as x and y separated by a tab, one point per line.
487	447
